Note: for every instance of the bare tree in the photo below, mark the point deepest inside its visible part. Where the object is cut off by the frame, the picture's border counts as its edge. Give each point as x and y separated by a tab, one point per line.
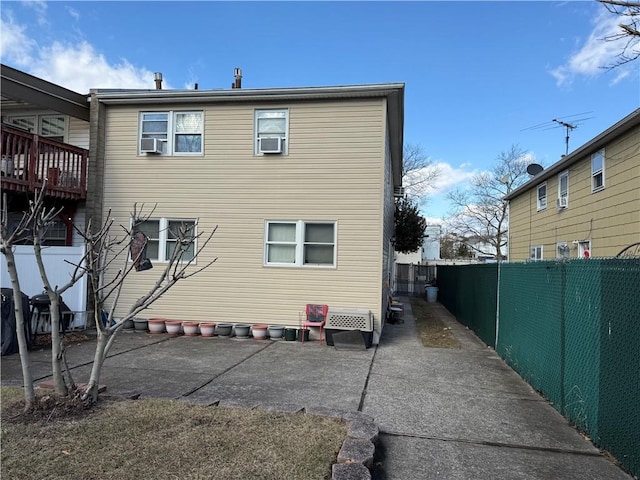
480	211
105	253
419	174
629	34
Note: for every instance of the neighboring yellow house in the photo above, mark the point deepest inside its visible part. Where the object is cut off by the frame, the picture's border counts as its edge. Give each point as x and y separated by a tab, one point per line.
299	181
585	205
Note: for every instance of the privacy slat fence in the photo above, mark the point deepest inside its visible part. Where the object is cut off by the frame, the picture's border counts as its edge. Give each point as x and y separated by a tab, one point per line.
571	329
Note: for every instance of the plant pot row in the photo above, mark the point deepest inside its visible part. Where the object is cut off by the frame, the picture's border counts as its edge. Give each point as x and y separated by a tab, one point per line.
208	329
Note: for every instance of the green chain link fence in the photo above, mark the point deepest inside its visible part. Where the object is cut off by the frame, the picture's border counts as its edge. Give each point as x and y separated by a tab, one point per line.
572	330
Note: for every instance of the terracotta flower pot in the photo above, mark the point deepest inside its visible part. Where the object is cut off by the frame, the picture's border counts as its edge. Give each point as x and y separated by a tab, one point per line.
156	325
174	327
259	331
190	328
207	329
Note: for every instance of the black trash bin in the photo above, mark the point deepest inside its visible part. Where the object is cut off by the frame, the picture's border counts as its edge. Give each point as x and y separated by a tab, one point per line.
9	331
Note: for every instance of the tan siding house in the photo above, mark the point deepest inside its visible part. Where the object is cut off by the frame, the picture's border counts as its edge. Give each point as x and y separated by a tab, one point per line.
310	224
587	204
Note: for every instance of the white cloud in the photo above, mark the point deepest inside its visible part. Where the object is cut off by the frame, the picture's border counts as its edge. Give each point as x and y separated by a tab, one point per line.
451	176
73	13
596	53
76	66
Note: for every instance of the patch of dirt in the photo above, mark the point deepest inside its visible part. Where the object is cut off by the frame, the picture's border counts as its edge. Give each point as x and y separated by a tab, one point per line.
44	339
47	408
433	333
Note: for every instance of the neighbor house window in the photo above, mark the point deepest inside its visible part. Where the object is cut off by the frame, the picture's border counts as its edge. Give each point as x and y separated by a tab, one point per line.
542	196
563	189
52	127
562	250
536	252
271	124
300	243
597	171
163	236
179	133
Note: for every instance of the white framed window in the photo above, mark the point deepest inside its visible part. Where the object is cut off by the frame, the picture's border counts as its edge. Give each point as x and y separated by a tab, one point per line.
163	235
536	253
597	171
584	249
563	189
179	133
562	250
542	196
300	243
53	127
271	124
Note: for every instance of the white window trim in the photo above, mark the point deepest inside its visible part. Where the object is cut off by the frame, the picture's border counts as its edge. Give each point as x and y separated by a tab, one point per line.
566	194
582	249
299	244
595	189
285	138
534	250
37	124
170	140
539	205
163	227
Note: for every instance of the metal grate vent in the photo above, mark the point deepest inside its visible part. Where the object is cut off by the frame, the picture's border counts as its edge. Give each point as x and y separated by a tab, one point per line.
342	318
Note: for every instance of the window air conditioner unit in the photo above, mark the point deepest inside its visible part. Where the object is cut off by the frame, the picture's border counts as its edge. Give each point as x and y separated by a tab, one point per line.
562	202
270	145
150	145
398	192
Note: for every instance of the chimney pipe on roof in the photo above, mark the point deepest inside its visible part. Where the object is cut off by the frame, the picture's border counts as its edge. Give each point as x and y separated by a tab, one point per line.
237	73
158	79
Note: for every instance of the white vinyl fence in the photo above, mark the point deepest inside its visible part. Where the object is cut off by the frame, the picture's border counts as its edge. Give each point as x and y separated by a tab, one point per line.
57	261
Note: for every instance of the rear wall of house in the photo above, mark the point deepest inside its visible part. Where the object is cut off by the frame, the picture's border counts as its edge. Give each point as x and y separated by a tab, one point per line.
609	218
334	171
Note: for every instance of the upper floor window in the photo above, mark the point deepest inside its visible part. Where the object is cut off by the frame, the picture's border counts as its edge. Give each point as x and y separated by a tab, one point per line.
563	190
597	171
271	124
542	196
300	243
178	133
53	127
164	236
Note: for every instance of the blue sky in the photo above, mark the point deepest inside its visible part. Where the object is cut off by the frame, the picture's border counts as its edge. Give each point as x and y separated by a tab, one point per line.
477	74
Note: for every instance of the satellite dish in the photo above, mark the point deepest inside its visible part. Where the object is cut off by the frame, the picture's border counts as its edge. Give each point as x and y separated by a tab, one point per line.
534	169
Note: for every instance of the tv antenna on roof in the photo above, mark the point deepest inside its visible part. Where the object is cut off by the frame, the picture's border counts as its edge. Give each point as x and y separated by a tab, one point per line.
560	122
568	127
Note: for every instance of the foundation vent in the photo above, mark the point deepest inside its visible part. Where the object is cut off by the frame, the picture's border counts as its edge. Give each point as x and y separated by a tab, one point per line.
343	318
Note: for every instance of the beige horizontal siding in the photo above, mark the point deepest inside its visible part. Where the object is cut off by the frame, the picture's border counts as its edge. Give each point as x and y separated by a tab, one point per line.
609	218
333	172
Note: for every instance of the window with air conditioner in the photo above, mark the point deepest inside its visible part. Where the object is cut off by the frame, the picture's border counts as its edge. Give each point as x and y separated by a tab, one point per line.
271	131
300	244
164	235
562	251
542	197
536	253
563	190
171	133
597	171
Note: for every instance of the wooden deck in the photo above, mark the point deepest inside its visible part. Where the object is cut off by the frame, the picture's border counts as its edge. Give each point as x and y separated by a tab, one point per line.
28	159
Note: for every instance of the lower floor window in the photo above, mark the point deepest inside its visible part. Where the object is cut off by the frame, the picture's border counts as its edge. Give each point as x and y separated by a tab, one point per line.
164	235
300	243
536	252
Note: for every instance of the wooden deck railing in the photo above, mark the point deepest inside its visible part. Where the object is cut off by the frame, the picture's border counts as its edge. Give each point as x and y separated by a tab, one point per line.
28	159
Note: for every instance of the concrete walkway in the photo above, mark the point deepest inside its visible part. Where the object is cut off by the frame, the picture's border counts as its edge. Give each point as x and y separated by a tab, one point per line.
442	413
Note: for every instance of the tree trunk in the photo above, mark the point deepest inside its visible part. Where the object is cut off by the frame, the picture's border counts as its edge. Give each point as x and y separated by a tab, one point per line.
59	384
27	379
91	393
